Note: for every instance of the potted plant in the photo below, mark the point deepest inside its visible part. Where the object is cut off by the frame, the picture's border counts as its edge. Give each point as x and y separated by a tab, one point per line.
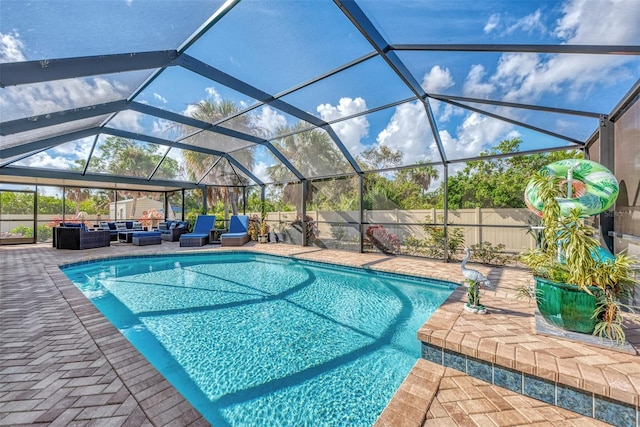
577	287
264	232
254	227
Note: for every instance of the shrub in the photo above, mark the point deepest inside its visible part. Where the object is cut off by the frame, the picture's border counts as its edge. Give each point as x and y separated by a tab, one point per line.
22	230
379	237
338	231
486	253
312	231
415	246
44	233
435	239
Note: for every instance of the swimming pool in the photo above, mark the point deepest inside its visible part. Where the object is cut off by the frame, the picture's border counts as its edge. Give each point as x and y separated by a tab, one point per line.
262	340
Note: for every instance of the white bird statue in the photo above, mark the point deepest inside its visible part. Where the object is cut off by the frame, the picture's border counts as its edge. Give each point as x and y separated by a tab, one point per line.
475	279
473	275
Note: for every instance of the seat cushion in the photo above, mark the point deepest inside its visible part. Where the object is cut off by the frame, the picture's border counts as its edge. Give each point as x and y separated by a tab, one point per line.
146	234
233	235
71	224
194	235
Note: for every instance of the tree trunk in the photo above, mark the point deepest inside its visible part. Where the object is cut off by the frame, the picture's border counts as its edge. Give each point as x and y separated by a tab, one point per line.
234	202
134	205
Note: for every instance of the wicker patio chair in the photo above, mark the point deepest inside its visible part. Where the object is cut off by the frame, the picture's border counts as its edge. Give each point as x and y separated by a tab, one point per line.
172	230
200	234
238	231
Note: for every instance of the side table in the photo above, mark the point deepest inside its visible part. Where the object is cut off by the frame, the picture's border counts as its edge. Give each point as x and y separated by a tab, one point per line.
214	235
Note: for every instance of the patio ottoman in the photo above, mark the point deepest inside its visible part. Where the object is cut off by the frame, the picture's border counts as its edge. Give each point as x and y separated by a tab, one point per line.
143	238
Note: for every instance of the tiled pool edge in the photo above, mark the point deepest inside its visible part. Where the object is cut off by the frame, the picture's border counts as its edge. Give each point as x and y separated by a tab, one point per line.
446	347
160	402
579	401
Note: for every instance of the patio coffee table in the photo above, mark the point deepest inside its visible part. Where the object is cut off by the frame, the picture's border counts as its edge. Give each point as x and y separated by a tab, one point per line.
126	236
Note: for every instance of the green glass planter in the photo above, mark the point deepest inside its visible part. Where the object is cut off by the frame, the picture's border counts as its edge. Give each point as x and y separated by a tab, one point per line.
564	306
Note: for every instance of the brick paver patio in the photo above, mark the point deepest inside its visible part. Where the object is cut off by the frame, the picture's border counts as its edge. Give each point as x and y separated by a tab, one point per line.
63	363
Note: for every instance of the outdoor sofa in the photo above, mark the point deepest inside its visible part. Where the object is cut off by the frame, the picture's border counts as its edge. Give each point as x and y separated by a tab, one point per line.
172	230
78	236
117	226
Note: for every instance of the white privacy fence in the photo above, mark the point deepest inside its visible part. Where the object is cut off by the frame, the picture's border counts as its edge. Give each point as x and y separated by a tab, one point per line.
509	227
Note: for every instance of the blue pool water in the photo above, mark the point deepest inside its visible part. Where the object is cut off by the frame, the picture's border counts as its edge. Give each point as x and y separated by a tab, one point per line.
258	340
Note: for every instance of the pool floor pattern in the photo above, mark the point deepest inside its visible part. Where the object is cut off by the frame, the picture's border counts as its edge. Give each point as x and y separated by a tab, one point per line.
63	363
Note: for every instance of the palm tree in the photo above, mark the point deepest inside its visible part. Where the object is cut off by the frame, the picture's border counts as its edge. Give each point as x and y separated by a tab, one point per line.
311	152
423	176
123	156
197	164
78	195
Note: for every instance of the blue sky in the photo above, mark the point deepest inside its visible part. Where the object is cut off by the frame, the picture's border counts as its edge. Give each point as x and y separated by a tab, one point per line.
277	45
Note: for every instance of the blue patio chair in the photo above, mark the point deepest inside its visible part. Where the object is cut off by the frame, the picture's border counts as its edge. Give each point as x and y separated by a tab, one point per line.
200	234
238	231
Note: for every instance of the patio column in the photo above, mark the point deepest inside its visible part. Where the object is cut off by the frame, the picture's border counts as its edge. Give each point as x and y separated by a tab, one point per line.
607	159
183	213
305	190
446	212
360	207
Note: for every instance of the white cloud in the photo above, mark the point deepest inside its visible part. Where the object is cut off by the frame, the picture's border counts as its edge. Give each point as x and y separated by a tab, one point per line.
474	135
527	77
260	171
492	23
213	94
190	110
352	131
45	161
409	131
474	87
60	157
529	24
166	129
437	80
79	148
160	98
47	97
11	48
447	112
582	22
128	120
269	120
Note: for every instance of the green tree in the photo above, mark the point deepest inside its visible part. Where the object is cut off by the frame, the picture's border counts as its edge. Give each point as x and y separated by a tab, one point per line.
404	188
197	164
380	157
500	182
127	157
16	202
311	152
50	205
